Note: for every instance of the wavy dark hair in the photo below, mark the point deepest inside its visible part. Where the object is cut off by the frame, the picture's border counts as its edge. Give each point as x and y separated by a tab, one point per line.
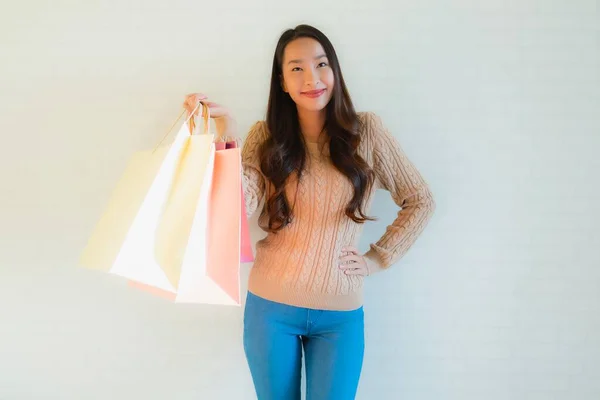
284	154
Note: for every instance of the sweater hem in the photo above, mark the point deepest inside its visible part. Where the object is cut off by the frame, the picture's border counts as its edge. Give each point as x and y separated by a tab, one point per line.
260	286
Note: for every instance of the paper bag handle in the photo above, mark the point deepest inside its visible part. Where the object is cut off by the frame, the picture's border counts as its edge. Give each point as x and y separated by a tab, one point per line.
206	118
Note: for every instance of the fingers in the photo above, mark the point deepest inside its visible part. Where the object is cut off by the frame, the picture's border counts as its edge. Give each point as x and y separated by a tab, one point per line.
191	102
350	249
196	97
356	271
352	263
190	105
347	260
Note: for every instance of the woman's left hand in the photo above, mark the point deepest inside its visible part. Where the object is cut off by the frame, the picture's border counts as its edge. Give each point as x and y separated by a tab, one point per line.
353	263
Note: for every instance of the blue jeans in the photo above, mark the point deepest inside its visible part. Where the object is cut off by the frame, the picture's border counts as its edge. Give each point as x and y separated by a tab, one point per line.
333	342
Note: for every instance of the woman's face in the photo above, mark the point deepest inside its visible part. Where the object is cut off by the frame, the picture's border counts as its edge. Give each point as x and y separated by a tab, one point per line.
307	76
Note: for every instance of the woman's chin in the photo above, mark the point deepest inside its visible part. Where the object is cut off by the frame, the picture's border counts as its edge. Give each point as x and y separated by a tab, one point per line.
312	106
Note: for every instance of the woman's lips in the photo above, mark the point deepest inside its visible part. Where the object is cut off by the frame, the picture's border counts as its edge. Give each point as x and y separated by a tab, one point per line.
313	93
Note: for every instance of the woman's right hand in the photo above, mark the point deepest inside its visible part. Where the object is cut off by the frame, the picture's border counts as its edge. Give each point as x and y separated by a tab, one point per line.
216	110
224	121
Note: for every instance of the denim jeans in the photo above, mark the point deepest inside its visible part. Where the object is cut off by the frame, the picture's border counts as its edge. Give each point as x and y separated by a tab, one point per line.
275	335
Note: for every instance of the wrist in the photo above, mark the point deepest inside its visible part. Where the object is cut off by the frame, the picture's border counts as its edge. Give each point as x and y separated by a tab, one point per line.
373	261
226	125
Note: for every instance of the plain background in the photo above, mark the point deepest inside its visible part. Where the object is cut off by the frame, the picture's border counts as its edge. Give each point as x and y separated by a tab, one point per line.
496	102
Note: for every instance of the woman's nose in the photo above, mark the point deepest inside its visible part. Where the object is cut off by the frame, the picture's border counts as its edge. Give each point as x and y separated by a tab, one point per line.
311	78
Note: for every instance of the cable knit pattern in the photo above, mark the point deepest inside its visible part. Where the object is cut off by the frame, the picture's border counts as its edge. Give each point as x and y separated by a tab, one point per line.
299	264
253	179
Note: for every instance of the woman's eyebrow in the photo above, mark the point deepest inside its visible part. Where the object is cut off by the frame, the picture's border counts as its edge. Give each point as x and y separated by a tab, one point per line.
300	61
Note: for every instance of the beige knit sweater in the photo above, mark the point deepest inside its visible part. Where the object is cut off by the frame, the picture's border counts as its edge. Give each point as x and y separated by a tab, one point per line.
299	264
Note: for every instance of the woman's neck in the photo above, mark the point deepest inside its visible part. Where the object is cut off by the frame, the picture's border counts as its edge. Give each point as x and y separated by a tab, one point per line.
311	125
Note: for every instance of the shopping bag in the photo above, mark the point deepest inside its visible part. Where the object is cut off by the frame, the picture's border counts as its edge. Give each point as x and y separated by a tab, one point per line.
246	243
225	222
146	173
161	230
216	280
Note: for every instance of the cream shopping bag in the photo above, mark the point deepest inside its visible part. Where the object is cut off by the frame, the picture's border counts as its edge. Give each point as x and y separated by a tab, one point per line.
154	230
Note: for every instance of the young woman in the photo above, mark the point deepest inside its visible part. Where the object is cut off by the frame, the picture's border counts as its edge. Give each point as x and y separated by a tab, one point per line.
314	164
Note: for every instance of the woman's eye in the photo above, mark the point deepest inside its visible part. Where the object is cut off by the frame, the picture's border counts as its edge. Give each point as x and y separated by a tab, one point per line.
324	64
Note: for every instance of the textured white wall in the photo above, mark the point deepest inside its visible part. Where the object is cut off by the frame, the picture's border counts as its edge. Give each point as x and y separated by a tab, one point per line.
496	102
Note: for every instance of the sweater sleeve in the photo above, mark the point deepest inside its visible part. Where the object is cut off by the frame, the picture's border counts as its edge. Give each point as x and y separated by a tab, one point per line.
253	180
408	189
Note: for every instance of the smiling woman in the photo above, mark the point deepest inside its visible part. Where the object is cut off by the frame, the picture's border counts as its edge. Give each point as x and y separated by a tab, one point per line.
309	96
315	164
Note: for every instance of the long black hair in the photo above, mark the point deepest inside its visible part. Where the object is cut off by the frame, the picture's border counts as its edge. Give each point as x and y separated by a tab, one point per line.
283	153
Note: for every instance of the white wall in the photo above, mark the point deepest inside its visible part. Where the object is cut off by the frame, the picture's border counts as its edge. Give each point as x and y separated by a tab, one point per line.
496	102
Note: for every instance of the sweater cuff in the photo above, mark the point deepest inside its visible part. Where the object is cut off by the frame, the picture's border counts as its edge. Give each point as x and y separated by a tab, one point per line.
374	262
